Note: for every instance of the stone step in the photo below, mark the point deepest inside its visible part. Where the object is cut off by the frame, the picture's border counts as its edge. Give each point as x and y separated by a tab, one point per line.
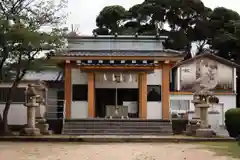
112	126
117	127
117	120
120	134
130	131
96	124
118	123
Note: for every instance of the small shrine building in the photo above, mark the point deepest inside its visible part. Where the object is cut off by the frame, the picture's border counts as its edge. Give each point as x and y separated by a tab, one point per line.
112	63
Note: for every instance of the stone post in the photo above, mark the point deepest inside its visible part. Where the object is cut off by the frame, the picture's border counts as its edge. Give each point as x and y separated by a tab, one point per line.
203	113
31	105
31	117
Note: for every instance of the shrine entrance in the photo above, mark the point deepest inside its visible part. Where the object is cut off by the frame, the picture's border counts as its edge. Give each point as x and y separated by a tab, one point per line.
116	92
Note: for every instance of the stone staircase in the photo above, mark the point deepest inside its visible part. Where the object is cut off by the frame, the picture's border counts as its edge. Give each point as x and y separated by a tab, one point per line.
116	127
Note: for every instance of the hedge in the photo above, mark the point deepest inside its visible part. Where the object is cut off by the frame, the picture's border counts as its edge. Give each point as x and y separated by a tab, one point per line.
232	122
179	125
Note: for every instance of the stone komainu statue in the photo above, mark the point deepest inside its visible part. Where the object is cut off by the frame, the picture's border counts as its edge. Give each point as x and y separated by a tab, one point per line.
39	90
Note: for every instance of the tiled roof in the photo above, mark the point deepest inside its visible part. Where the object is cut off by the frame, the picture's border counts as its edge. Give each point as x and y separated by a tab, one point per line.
164	52
43	76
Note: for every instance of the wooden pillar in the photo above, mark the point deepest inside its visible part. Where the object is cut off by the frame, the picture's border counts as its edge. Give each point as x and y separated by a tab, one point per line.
142	84
91	96
67	89
166	69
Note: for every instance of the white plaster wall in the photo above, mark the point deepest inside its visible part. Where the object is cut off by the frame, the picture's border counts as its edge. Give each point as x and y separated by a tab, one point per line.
21	85
79	77
17	114
155	78
228	101
154	110
189	77
216	119
79	109
235	80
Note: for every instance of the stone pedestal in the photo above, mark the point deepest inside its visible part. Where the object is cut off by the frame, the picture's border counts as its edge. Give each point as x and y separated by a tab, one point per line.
203	109
31	129
201	103
205	132
31	132
31	116
43	126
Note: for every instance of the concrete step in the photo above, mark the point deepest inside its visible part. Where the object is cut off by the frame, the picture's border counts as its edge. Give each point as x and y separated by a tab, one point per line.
117	127
114	126
108	131
119	124
120	134
122	128
115	120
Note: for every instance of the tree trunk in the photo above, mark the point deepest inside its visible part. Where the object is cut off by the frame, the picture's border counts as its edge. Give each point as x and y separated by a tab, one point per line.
6	130
1	125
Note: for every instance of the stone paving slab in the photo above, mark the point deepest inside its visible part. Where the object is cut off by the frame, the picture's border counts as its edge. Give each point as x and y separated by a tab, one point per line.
107	138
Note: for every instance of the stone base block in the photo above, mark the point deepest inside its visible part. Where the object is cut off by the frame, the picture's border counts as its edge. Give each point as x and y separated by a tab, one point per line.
31	132
205	132
116	117
44	128
191	129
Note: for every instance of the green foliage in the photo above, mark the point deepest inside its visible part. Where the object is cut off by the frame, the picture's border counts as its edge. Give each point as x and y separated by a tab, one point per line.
188	20
232	122
22	37
24	40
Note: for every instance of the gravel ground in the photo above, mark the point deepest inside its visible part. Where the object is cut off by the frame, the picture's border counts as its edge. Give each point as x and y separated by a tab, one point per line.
120	151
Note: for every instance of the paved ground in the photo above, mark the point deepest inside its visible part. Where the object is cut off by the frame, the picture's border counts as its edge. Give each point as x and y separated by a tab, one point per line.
121	151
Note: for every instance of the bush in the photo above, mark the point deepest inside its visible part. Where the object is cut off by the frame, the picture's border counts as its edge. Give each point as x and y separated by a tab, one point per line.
179	125
232	122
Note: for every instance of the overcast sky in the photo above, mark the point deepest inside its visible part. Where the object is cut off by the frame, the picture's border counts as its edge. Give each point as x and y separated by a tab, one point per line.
83	13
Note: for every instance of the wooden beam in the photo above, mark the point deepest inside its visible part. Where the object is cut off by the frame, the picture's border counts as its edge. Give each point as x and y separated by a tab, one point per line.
91	95
120	67
166	69
142	95
67	90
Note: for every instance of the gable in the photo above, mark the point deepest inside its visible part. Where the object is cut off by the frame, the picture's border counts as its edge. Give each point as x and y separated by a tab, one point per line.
220	77
210	56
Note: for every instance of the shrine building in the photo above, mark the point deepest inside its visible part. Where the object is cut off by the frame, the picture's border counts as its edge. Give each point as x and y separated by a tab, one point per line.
102	73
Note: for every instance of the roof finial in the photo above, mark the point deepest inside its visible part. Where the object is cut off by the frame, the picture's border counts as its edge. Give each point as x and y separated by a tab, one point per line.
115	34
136	34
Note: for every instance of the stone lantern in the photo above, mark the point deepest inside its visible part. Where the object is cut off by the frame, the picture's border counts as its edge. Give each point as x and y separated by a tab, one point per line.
31	104
36	108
